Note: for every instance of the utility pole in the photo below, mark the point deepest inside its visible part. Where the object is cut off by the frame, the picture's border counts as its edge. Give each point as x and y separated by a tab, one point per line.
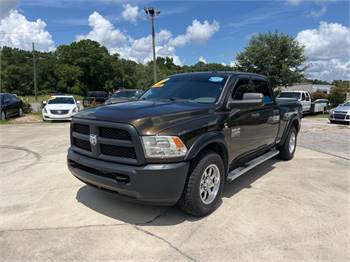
34	74
150	11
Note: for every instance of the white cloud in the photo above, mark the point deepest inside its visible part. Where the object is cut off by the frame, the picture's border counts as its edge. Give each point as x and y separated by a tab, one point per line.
328	50
294	2
202	59
198	33
17	31
130	13
319	13
140	50
103	32
6	6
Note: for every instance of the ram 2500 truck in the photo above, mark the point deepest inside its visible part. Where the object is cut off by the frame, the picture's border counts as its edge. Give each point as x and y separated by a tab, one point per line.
184	138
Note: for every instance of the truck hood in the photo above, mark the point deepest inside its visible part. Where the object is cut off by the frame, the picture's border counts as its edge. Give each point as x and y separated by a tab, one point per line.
149	117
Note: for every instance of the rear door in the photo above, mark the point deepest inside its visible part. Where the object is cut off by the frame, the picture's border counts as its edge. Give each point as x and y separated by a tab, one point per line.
269	114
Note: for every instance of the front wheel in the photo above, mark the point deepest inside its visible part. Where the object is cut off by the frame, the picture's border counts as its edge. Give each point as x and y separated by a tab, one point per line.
202	193
20	112
287	150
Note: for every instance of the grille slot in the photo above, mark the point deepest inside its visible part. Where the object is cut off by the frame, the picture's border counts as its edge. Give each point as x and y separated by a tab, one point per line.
339	116
83	144
59	112
114	133
83	129
118	151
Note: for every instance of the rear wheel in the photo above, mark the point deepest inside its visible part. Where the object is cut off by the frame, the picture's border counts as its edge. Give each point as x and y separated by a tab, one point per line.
204	187
3	115
287	150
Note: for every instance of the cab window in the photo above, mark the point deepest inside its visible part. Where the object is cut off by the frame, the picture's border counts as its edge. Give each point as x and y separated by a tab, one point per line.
303	97
241	87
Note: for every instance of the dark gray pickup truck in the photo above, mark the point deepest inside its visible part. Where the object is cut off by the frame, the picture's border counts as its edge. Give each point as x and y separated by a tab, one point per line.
183	139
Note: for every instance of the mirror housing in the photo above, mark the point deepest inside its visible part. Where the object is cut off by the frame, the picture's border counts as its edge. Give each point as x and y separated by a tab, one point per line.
249	100
78	102
44	102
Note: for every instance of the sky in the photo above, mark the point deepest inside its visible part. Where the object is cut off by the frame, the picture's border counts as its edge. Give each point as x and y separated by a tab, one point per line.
187	31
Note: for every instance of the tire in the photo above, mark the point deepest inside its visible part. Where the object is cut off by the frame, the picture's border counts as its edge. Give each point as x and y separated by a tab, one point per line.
287	150
332	122
3	115
202	196
20	112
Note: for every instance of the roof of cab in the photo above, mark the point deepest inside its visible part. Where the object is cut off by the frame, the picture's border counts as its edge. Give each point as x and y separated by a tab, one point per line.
221	73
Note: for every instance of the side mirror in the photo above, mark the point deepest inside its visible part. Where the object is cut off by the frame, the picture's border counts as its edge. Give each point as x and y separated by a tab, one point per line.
249	100
44	102
78	102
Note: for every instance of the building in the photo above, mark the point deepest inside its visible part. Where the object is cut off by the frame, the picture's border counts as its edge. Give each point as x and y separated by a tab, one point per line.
311	88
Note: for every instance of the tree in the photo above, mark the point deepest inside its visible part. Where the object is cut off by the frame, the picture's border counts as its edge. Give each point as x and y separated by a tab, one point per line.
276	55
339	91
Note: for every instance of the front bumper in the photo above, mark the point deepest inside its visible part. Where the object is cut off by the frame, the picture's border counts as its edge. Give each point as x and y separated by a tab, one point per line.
49	116
160	184
338	119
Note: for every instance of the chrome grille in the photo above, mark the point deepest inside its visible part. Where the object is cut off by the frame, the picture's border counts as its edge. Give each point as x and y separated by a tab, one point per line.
116	142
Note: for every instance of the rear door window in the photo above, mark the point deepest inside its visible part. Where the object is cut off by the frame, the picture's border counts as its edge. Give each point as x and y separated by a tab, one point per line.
261	86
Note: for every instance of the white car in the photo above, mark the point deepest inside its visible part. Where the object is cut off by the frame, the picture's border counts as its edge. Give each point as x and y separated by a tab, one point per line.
302	96
60	108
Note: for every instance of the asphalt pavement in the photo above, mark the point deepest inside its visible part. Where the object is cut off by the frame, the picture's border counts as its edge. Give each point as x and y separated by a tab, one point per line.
296	210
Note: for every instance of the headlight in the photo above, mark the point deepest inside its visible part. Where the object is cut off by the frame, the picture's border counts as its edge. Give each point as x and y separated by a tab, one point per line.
163	146
75	109
45	111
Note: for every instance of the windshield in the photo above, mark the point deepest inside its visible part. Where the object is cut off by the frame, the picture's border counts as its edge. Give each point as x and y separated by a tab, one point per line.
132	93
61	100
290	95
192	88
346	104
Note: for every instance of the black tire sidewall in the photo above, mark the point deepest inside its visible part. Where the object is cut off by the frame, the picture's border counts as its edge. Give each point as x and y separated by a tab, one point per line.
211	158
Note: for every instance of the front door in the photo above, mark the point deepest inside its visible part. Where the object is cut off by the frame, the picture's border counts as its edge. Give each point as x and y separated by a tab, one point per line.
244	124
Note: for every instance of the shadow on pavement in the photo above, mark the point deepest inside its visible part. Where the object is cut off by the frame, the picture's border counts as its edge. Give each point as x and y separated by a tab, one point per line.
110	205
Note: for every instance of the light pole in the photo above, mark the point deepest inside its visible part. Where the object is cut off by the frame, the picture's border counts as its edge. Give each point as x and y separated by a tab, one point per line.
34	75
150	11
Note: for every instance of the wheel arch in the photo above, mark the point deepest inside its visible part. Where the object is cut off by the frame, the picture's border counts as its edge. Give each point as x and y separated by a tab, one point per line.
214	141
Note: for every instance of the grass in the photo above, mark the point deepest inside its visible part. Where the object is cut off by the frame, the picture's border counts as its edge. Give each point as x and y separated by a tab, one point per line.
316	116
31	99
26	118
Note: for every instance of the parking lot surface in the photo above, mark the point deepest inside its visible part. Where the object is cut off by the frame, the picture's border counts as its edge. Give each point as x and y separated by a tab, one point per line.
293	211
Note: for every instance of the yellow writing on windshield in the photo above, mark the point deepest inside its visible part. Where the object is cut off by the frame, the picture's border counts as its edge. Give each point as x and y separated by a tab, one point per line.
160	83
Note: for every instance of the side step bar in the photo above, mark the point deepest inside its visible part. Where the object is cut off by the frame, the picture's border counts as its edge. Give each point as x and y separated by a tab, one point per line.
251	164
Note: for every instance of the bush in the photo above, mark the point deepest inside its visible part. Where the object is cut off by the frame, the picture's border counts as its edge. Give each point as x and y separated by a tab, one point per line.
318	95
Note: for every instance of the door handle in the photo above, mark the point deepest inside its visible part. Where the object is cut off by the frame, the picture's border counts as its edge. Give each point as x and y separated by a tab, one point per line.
255	115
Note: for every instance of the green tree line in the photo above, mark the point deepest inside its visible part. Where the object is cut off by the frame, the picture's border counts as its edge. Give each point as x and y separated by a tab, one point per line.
86	65
83	66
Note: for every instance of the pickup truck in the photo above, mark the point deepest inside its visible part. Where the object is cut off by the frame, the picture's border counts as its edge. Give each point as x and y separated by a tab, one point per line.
183	138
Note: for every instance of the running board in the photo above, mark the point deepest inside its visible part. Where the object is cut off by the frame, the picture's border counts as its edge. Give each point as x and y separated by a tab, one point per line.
251	164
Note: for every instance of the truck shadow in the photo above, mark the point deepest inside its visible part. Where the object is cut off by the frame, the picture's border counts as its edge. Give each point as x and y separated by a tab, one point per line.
110	205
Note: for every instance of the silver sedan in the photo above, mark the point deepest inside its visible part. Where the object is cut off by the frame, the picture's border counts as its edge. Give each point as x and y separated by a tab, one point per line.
340	114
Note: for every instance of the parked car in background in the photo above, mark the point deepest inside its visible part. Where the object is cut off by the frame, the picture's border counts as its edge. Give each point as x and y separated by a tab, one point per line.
302	96
94	98
319	106
124	95
10	105
340	114
60	108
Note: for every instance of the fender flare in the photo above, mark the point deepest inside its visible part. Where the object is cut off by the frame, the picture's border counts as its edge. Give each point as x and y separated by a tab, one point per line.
206	139
290	123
